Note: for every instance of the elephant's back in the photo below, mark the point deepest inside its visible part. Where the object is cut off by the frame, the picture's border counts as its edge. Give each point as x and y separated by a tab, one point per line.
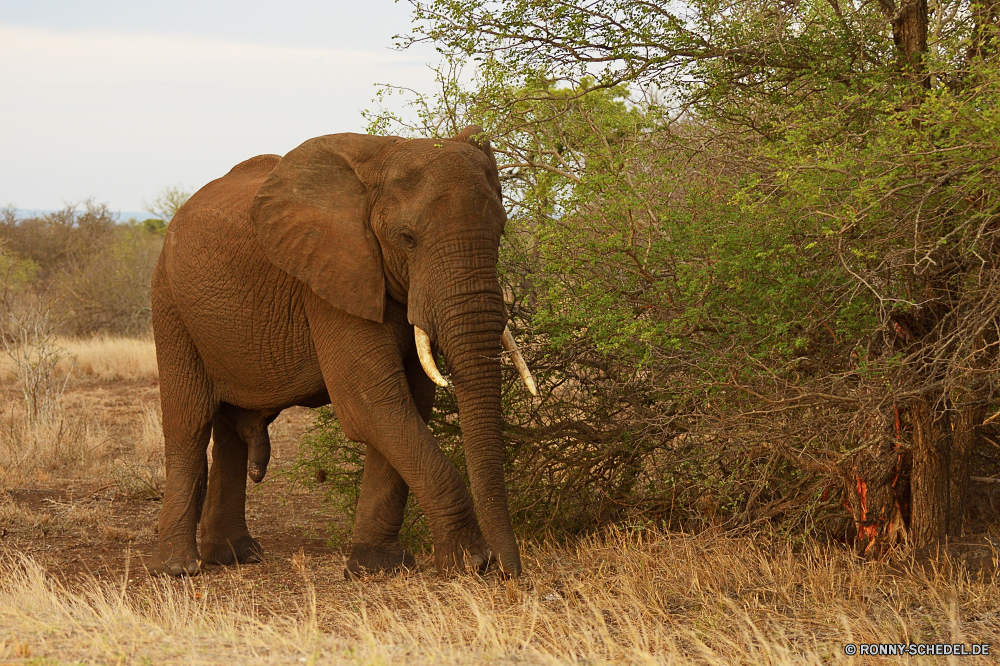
245	315
224	199
211	240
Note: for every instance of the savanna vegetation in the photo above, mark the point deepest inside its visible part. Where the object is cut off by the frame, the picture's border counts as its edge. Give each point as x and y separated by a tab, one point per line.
82	268
752	249
751	258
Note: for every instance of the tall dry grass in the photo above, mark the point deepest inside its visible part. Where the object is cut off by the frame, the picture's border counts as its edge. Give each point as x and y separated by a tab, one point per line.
113	358
104	358
78	444
626	598
78	441
33	451
137	468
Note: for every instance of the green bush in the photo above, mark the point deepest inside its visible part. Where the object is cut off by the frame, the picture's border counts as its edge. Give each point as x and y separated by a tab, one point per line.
15	273
736	256
328	460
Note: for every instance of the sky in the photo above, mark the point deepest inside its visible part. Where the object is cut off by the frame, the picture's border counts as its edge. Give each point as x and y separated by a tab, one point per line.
116	100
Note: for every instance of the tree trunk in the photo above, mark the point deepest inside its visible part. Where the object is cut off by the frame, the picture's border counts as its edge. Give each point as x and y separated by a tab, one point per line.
943	443
879	495
940	447
965	433
929	476
909	33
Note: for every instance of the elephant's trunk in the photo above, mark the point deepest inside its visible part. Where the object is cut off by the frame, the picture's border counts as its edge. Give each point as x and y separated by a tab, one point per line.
470	332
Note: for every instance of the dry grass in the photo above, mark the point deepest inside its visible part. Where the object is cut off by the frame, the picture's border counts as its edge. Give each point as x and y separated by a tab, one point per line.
626	598
112	358
32	452
56	519
86	521
75	443
138	470
100	358
74	440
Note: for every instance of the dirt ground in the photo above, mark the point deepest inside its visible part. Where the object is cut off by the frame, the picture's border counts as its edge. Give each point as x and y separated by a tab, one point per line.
289	520
77	524
80	524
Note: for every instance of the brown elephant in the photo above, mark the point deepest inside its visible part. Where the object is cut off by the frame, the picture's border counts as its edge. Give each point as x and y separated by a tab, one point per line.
326	276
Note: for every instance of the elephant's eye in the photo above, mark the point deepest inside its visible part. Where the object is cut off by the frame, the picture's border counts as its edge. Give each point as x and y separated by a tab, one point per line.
407	240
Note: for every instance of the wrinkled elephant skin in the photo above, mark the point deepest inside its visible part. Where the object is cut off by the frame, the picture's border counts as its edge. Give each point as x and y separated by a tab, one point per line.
300	280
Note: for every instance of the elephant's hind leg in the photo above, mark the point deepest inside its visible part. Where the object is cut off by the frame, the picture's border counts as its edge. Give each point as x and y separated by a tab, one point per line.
185	397
375	540
225	538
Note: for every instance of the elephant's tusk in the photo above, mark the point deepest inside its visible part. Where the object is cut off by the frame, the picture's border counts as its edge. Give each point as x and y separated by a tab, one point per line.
427	357
515	356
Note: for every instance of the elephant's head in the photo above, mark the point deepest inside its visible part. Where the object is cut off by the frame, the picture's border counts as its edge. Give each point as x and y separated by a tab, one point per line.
359	218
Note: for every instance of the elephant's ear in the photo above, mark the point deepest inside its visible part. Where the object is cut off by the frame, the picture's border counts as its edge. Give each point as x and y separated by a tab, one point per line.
312	218
471	136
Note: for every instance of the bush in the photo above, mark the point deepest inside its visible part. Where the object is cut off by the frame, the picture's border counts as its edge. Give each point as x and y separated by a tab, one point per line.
27	335
60	241
110	291
327	459
15	273
755	273
94	271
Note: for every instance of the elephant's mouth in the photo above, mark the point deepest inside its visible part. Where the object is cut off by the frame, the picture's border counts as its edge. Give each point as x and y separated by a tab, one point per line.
430	367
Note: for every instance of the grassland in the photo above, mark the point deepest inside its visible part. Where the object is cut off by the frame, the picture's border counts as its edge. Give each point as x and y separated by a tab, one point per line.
107	358
78	505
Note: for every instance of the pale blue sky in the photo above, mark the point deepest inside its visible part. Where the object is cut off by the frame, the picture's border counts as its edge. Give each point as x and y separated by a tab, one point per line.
116	100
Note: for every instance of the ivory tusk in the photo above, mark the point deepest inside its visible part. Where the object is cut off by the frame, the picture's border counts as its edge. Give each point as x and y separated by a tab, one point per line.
427	357
518	359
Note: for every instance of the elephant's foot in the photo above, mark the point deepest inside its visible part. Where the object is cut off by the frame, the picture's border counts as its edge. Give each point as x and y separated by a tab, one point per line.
171	560
244	550
464	552
366	559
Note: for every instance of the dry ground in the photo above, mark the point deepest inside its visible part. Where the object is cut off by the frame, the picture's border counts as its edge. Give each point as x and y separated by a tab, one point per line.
78	509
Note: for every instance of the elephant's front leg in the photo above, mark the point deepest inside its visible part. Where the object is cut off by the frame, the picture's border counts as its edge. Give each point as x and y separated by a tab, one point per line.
225	538
375	540
364	373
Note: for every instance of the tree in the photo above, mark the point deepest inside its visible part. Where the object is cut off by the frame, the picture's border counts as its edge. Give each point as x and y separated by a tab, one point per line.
57	242
817	244
86	271
167	203
109	291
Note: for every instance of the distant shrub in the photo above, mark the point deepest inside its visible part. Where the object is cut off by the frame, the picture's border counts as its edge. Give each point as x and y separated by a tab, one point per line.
166	204
57	242
110	290
15	273
155	225
94	271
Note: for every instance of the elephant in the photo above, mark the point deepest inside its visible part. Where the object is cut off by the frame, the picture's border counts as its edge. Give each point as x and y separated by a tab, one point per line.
332	275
